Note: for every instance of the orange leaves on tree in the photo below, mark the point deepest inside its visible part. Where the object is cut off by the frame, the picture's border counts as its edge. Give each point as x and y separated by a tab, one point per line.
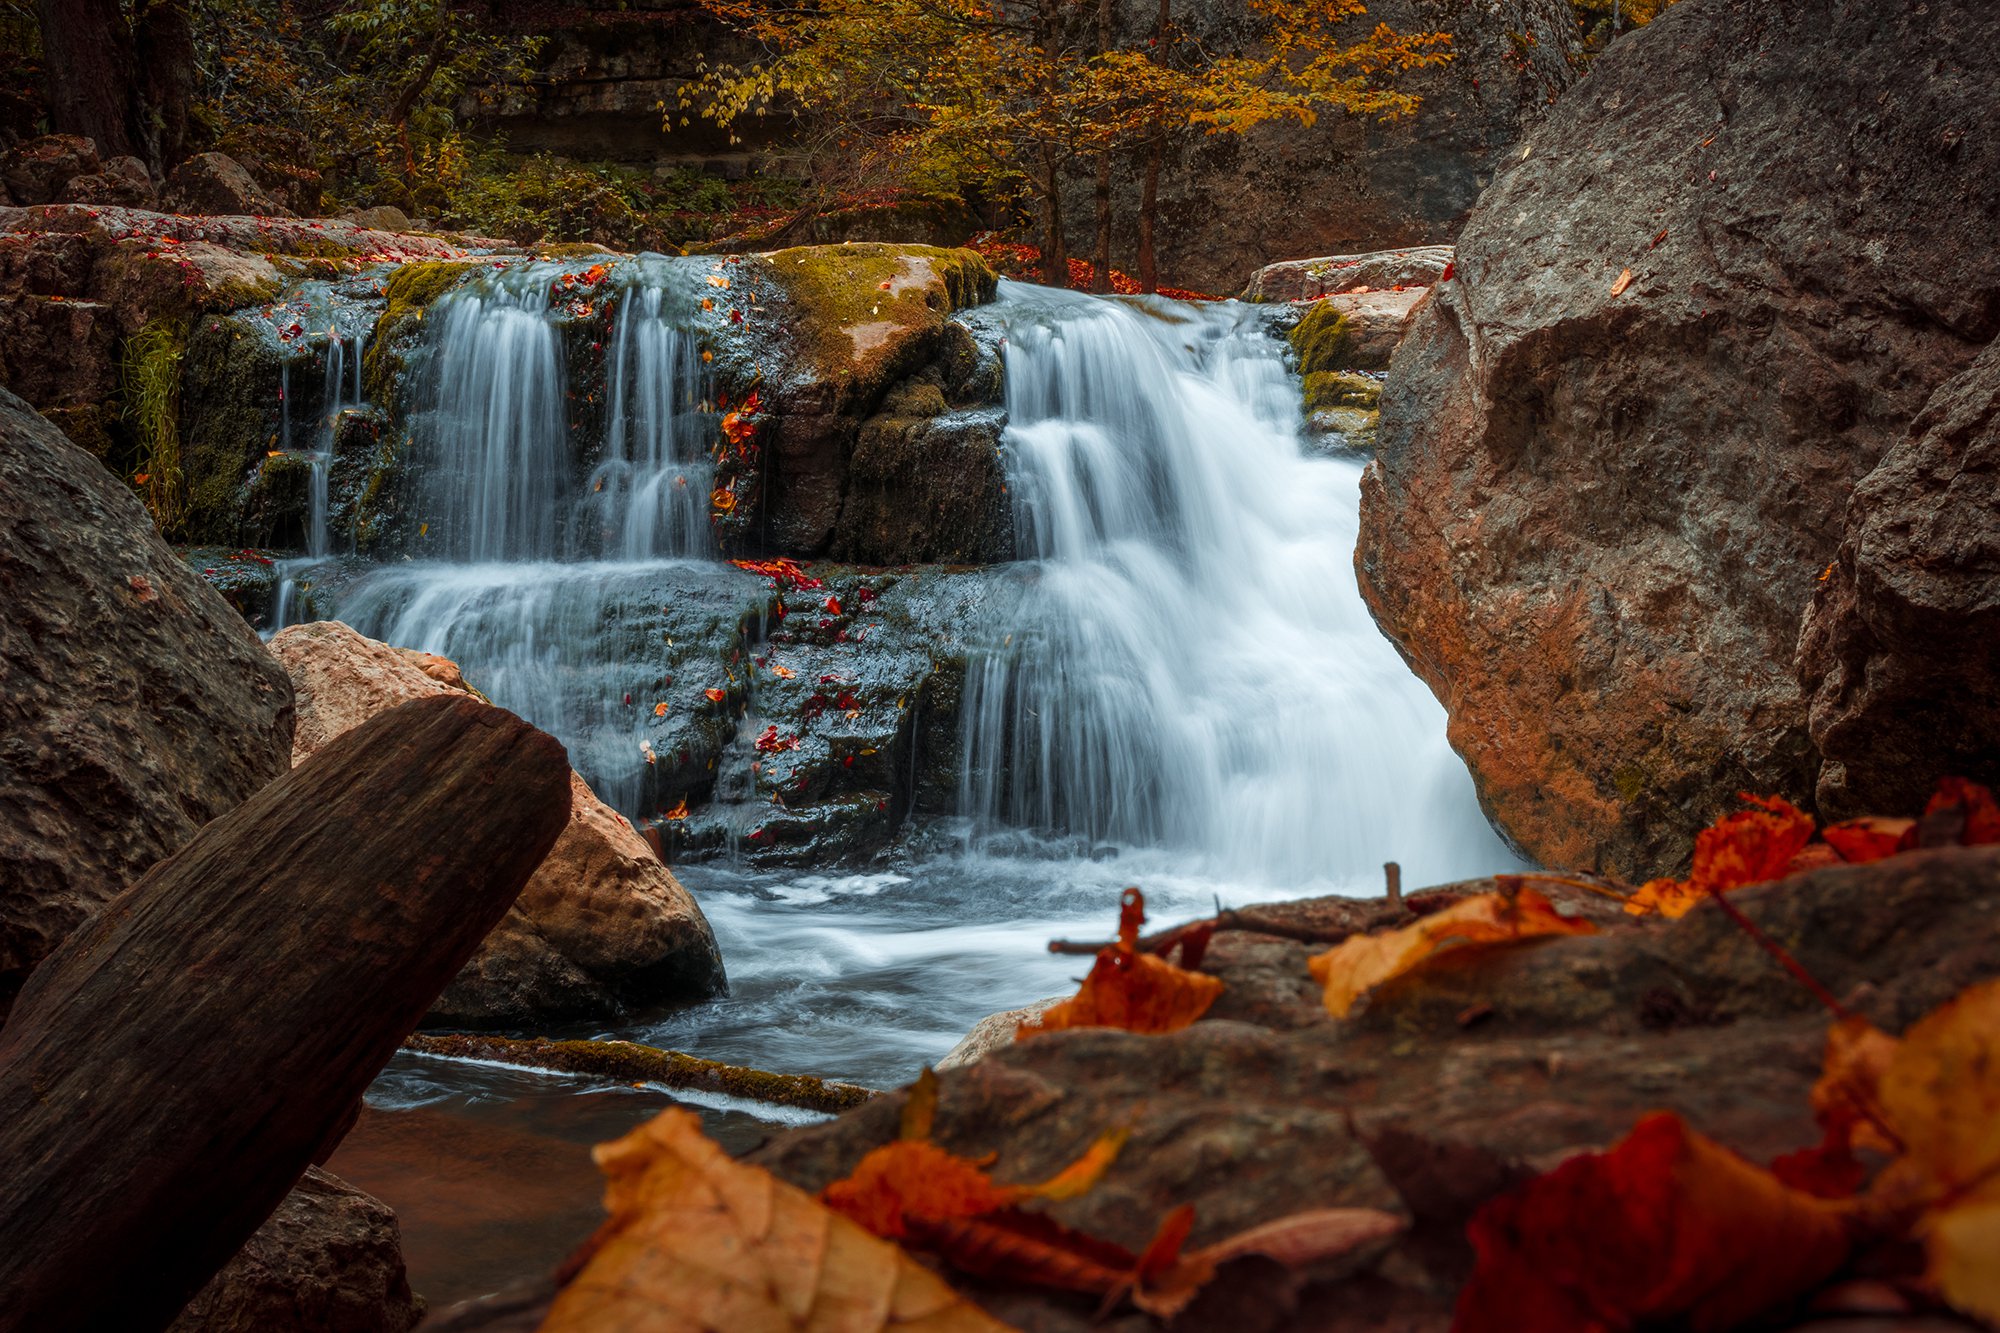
696	1240
1667	1227
1360	963
1129	989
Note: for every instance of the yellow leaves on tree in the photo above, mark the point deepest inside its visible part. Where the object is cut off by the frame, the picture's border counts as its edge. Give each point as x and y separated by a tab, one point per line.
1130	989
1667	1228
1360	963
696	1241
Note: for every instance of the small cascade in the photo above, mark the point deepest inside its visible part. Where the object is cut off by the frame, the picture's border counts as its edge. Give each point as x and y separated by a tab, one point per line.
1200	672
341	393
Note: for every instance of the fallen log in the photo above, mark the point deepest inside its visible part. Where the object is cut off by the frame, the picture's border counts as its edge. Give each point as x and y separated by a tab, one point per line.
168	1073
629	1062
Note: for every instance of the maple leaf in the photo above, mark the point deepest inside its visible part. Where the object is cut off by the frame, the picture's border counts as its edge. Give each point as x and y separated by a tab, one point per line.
715	696
1666	1227
1941	1097
1360	963
698	1241
1748	847
1860	841
1131	990
723	500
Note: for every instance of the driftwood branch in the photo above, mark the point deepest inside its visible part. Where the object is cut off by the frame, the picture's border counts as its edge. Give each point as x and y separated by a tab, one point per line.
170	1071
629	1062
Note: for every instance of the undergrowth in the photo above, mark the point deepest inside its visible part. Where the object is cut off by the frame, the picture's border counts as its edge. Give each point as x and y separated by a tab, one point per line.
152	390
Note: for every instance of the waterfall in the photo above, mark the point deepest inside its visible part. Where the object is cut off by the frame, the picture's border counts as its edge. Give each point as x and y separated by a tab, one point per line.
1200	672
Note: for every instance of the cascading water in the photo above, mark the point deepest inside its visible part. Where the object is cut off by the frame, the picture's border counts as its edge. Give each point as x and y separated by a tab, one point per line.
1181	689
1199	672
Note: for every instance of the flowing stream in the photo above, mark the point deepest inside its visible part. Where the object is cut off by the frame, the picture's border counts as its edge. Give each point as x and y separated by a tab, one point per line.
1192	696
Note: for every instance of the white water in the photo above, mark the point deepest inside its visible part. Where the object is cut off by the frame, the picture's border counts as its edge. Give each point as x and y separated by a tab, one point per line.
1202	674
1197	690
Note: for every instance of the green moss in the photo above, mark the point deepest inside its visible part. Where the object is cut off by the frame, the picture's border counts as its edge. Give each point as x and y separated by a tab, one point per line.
835	288
627	1062
230	415
1321	340
1340	388
152	394
411	290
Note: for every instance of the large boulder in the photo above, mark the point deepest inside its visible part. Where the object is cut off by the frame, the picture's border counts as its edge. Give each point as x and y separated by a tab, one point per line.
1617	447
123	181
216	183
1901	650
35	172
330	1260
602	925
135	704
1382	270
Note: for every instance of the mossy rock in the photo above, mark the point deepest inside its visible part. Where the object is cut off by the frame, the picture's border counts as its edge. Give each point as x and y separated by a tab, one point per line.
1341	388
1322	340
229	419
857	304
411	290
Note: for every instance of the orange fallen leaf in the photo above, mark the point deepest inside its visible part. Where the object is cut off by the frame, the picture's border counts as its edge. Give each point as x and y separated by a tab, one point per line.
1748	847
723	500
680	810
1860	841
1360	963
1666	1229
698	1241
1981	813
1624	281
715	696
1131	990
660	709
1941	1096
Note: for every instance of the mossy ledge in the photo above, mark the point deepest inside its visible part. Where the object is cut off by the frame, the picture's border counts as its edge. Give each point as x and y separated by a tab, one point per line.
628	1062
1320	339
409	292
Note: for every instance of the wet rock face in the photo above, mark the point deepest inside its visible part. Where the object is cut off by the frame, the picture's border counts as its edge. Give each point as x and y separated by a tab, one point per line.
330	1260
135	704
601	926
1600	506
1900	656
1253	1112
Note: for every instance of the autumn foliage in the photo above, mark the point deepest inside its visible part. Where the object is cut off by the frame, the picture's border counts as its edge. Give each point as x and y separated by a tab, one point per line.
1130	989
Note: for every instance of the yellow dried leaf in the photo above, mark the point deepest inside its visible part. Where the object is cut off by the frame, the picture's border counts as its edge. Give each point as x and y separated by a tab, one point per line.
699	1242
1360	963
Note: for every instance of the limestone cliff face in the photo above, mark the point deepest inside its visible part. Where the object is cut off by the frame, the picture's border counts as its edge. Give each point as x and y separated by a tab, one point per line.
1615	453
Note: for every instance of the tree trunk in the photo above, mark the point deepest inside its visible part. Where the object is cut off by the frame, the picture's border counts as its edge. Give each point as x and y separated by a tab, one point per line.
87	50
169	1072
1149	210
1100	277
1055	255
164	42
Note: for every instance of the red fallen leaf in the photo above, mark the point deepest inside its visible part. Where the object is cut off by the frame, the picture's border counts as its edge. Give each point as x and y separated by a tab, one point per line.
1828	1170
736	317
1130	990
1860	841
1667	1228
1748	847
847	703
716	696
1981	811
771	743
832	605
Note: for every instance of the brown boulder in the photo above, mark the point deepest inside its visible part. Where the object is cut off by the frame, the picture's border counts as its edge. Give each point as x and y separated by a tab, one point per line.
330	1260
35	172
122	181
1383	270
135	704
217	184
1901	649
1500	1067
602	925
1601	503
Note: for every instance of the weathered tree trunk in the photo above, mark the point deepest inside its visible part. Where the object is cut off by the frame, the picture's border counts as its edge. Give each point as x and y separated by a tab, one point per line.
1055	253
87	50
168	1073
1156	150
164	43
1100	276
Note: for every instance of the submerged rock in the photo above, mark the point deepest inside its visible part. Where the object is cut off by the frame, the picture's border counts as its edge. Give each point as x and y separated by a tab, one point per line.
1502	1066
603	926
135	704
1901	649
330	1260
1616	448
